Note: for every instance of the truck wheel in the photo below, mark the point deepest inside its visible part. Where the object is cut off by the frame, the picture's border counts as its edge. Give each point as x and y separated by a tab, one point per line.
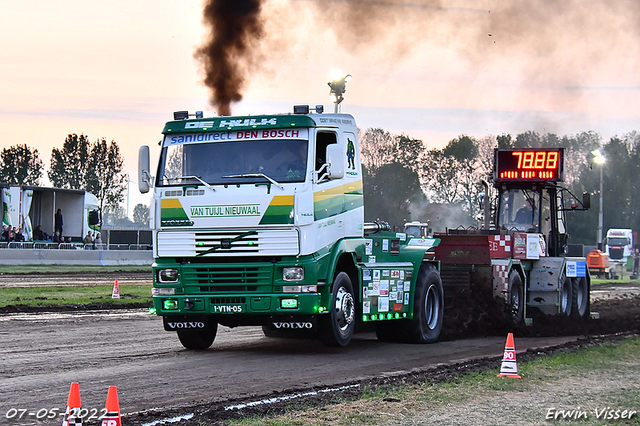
198	340
286	334
566	297
516	298
580	302
268	332
336	327
428	307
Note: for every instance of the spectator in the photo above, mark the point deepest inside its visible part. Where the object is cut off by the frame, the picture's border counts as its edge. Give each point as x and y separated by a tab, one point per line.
57	227
6	233
57	238
98	241
38	234
18	237
88	241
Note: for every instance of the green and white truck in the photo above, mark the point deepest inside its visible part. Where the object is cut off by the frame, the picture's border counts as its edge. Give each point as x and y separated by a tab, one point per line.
259	221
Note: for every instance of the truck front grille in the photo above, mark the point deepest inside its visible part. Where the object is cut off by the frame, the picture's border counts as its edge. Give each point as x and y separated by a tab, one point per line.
616	253
228	300
226	278
218	243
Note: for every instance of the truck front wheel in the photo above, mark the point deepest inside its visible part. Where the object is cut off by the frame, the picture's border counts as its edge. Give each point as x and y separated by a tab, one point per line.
198	339
336	327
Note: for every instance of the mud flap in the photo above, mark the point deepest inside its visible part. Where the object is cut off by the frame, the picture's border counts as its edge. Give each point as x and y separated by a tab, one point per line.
185	322
291	323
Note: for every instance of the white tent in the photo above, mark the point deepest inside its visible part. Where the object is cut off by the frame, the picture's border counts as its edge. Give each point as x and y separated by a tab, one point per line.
25	220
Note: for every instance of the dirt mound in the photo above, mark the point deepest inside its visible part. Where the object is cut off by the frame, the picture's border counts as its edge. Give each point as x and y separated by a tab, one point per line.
13	309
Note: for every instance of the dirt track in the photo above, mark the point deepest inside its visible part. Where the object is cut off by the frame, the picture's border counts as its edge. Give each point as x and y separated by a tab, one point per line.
156	378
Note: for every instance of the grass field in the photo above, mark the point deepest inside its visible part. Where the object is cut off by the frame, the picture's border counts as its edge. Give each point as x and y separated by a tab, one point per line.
72	295
50	295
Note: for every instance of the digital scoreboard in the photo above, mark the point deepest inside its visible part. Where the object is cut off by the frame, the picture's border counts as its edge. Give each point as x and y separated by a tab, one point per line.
528	165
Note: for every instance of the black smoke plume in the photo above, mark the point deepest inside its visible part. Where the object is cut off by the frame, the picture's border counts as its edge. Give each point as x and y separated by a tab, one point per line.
235	29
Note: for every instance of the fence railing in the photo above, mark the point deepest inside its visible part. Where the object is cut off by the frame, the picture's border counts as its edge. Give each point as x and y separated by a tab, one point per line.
71	246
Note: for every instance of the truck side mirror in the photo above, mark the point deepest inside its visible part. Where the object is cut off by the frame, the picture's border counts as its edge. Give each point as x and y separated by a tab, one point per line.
586	200
335	159
143	170
94	217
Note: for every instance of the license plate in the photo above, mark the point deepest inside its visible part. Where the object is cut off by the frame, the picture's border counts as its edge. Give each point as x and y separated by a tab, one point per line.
228	309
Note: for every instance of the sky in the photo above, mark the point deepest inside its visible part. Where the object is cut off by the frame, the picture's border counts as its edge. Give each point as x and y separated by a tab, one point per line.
429	69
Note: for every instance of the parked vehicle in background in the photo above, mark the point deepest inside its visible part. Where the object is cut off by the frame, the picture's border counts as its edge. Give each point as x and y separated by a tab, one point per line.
418	229
619	244
27	207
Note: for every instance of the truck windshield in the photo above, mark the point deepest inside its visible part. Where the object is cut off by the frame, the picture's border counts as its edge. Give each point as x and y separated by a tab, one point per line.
414	231
618	241
282	161
519	209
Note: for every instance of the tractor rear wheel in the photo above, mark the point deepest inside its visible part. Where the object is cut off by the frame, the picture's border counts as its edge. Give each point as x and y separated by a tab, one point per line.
580	303
566	297
516	298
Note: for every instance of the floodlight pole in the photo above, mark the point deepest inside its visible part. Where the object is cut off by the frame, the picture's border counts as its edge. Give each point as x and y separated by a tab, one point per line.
600	219
597	158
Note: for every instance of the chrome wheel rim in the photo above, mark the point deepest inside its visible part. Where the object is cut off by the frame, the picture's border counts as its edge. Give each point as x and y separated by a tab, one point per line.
345	308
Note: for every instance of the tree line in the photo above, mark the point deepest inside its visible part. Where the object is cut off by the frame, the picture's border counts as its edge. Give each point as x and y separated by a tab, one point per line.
95	167
406	181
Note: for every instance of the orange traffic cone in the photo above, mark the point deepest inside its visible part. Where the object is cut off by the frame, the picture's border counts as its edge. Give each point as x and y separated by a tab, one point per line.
509	367
112	416
116	291
72	416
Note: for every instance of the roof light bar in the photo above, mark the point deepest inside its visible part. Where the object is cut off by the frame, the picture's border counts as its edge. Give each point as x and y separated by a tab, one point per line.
184	115
304	109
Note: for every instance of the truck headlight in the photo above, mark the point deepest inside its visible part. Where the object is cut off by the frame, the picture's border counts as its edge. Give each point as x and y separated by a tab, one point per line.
310	288
168	275
170	304
293	273
289	303
169	291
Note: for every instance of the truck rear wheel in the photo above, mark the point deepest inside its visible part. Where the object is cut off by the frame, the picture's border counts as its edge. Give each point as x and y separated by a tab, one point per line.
336	327
566	297
516	297
199	339
580	302
428	307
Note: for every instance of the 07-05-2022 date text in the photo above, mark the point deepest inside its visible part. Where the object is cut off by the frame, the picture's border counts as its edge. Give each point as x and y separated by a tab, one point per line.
52	413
